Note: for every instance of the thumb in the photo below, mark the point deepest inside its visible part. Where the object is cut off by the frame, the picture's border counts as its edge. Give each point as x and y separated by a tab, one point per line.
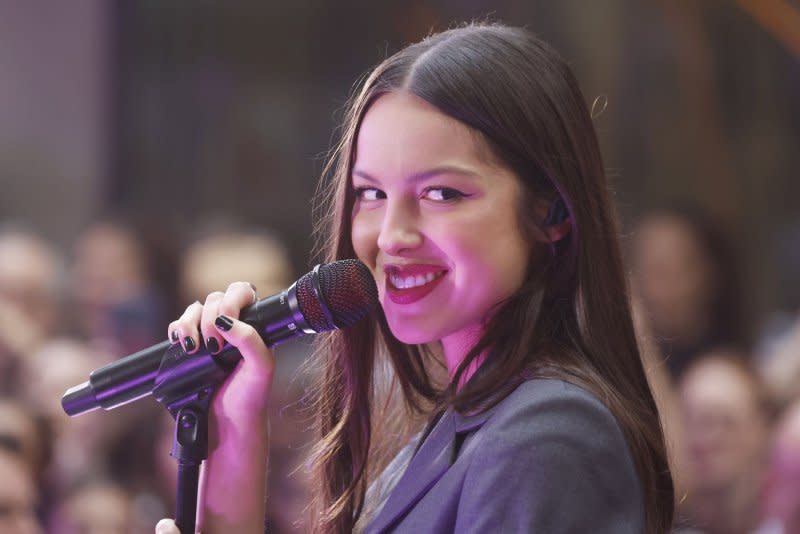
167	526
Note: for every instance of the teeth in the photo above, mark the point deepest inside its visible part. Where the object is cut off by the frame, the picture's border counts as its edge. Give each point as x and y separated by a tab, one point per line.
407	282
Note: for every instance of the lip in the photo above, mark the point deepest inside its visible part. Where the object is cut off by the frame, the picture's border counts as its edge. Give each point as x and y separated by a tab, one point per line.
410	295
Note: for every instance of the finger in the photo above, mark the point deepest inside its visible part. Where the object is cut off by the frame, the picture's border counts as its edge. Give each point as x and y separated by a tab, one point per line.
255	353
211	337
172	332
167	526
238	295
187	327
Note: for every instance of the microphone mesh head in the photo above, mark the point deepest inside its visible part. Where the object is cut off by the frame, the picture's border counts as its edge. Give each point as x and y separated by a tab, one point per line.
347	290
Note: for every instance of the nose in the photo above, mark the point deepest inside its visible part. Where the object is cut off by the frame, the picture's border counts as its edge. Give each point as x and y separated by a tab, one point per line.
400	229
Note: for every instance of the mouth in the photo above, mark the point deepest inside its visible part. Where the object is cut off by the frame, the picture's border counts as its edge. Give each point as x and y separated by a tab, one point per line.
410	283
398	282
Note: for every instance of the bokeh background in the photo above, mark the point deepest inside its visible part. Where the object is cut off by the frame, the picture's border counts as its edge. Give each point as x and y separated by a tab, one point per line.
152	151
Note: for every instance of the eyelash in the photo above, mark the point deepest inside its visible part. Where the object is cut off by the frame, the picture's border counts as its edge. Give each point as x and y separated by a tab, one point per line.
363	189
454	194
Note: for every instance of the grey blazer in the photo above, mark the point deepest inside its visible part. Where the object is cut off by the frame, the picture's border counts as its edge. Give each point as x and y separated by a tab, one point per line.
550	458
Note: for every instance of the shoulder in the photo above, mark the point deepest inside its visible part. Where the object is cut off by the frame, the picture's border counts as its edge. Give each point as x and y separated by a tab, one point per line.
548	449
543	406
544	417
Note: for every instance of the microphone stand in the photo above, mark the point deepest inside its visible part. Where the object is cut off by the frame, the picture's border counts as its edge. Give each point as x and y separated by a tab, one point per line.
187	396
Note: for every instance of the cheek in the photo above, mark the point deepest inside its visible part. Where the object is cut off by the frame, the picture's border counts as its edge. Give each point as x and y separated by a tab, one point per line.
496	253
364	235
488	268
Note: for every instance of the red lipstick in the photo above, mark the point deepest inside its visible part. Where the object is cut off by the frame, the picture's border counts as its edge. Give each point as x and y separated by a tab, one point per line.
397	276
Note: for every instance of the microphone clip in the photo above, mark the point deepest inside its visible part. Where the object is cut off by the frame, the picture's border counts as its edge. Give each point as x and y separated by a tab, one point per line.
185	386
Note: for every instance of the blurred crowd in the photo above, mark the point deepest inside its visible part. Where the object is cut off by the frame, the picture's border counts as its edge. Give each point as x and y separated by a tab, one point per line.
727	384
64	313
728	388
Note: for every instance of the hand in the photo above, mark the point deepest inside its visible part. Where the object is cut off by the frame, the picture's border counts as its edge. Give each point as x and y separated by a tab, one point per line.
233	479
212	324
167	526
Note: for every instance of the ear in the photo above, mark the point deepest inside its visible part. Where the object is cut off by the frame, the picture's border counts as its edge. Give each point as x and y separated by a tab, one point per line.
557	232
557	223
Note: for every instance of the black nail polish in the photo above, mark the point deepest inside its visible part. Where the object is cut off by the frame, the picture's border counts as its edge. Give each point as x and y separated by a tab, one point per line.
212	345
224	323
174	336
188	344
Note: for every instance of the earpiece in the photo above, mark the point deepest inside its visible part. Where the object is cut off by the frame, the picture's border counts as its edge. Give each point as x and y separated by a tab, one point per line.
557	212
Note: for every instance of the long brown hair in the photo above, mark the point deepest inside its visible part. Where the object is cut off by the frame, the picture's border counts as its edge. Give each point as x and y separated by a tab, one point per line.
571	318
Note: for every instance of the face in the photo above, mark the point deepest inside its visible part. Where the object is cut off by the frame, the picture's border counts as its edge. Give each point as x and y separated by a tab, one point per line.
17	496
674	276
98	509
436	220
726	432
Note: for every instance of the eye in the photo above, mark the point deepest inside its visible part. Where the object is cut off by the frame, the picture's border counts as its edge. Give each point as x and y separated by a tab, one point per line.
369	193
443	194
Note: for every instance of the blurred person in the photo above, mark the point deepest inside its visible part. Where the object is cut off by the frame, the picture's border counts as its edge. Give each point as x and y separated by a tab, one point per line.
117	305
727	415
781	497
81	445
26	433
779	364
96	506
686	274
18	495
215	260
31	271
95	445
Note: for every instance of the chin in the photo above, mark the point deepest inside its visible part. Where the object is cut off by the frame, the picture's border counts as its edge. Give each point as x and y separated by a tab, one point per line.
411	335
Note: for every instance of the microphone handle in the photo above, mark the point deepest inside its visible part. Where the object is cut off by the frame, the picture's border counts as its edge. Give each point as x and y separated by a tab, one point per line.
277	318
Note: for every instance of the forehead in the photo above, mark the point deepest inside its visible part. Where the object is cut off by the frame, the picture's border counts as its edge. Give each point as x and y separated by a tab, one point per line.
718	383
401	132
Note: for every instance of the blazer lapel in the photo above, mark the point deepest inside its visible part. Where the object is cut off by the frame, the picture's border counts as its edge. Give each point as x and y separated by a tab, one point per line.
431	461
426	467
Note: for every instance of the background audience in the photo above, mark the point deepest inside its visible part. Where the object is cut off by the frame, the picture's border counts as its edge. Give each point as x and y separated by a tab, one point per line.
18	495
685	271
727	416
174	114
109	472
736	468
781	492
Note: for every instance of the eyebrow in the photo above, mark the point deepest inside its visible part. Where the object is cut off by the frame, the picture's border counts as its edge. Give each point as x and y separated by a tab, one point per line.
423	175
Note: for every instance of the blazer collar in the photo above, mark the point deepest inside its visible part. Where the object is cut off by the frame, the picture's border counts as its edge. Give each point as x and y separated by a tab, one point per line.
468	423
429	464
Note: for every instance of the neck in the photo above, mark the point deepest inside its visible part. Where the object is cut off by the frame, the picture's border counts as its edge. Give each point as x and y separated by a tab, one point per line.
456	347
733	510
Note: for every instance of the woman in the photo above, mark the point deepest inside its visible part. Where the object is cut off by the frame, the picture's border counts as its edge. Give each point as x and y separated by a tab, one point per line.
469	180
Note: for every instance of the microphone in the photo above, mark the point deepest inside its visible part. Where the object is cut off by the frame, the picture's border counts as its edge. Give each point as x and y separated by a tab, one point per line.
336	295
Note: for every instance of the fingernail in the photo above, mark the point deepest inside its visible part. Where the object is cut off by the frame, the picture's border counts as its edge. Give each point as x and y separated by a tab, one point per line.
212	345
174	336
224	323
188	344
